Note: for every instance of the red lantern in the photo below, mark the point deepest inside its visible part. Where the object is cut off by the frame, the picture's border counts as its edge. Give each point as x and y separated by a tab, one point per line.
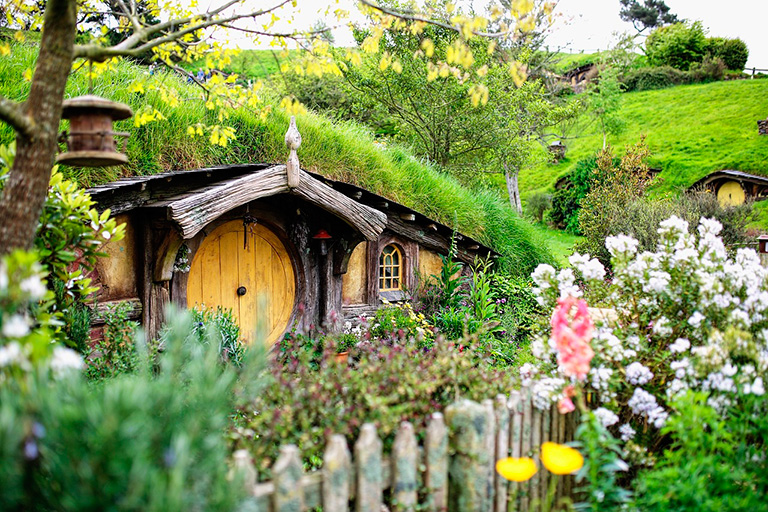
323	239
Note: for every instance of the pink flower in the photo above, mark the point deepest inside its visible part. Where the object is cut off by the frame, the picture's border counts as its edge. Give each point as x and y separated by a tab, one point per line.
565	405
572	332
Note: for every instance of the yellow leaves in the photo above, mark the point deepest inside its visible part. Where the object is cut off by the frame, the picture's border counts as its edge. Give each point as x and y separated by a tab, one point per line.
385	61
459	53
354	58
432	72
521	8
136	87
519	72
516	469
478	95
292	106
526	23
397	67
444	71
147	115
19	36
481	72
429	47
5	50
417	27
27	75
221	135
560	459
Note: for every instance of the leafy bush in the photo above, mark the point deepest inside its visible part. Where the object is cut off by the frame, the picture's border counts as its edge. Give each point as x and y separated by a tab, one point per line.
520	317
566	201
617	205
685	316
716	462
651	78
711	69
383	384
733	52
221	326
679	45
114	353
69	234
399	323
537	204
137	442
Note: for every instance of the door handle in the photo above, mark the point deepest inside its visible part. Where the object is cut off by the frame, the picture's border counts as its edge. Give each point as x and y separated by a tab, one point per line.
241	291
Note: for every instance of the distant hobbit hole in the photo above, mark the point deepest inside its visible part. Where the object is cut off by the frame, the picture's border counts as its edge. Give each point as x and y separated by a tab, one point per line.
257	282
390	269
731	193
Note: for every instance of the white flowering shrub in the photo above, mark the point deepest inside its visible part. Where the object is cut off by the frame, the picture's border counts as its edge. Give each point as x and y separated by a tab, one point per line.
686	316
26	325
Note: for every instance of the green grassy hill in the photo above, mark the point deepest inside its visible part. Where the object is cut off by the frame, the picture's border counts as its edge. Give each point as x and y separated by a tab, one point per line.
691	130
344	151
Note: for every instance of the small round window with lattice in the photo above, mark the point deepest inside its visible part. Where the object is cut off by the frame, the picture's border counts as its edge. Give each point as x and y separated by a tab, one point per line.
390	269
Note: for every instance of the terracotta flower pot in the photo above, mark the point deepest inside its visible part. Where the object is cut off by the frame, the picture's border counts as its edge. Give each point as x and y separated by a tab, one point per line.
342	357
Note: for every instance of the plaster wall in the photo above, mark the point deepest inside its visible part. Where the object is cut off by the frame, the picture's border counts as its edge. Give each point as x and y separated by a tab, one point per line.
354	282
116	273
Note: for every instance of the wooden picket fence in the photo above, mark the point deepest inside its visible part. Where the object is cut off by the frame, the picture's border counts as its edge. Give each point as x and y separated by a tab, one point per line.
454	470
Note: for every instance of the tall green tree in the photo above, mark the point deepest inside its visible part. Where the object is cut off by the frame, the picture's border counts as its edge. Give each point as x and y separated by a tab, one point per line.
646	15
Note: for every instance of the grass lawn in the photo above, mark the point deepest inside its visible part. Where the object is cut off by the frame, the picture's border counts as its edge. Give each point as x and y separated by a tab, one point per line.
560	243
692	130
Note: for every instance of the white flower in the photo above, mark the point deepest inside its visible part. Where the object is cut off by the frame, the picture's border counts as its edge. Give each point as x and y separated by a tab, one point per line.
673	226
675	387
658	416
542	275
591	269
680	345
567	284
627	432
696	319
606	417
10	354
680	368
638	374
34	287
709	227
15	327
756	388
642	401
621	245
527	373
661	327
106	234
657	282
545	391
64	360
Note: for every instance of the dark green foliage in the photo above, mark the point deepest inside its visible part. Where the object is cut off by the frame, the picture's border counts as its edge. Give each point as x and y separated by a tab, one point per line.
381	383
115	353
566	201
617	204
649	14
651	78
680	45
733	52
138	442
520	317
716	462
603	466
537	204
219	325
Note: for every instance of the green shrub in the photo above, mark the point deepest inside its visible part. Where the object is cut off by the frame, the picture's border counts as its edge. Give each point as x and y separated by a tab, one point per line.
115	352
219	325
566	201
138	442
537	204
679	45
651	78
520	316
383	384
733	52
716	462
711	69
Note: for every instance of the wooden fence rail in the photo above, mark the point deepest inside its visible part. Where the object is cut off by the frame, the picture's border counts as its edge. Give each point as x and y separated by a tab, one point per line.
454	470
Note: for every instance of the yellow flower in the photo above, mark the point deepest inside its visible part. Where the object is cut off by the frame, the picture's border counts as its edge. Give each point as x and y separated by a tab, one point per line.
561	459
516	470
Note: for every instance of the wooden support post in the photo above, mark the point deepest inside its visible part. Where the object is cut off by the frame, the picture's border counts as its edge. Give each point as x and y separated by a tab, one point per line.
490	449
436	458
515	440
468	468
536	446
337	468
404	476
502	451
526	449
289	495
546	435
369	477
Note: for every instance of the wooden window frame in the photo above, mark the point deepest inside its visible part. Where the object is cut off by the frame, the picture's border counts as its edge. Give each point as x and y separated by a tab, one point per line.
395	268
409	254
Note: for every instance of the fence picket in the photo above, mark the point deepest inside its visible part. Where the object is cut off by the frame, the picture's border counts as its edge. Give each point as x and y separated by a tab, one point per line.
535	445
490	449
469	464
436	457
526	450
546	435
337	465
502	451
368	470
288	495
404	477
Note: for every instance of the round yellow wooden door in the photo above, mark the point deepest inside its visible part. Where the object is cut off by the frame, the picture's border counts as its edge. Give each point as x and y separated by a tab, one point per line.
257	282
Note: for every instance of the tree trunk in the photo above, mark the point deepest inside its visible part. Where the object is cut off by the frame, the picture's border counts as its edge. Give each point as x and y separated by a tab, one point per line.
512	188
25	191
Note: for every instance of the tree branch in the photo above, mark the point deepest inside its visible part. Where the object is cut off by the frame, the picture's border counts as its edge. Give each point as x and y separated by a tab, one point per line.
12	113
